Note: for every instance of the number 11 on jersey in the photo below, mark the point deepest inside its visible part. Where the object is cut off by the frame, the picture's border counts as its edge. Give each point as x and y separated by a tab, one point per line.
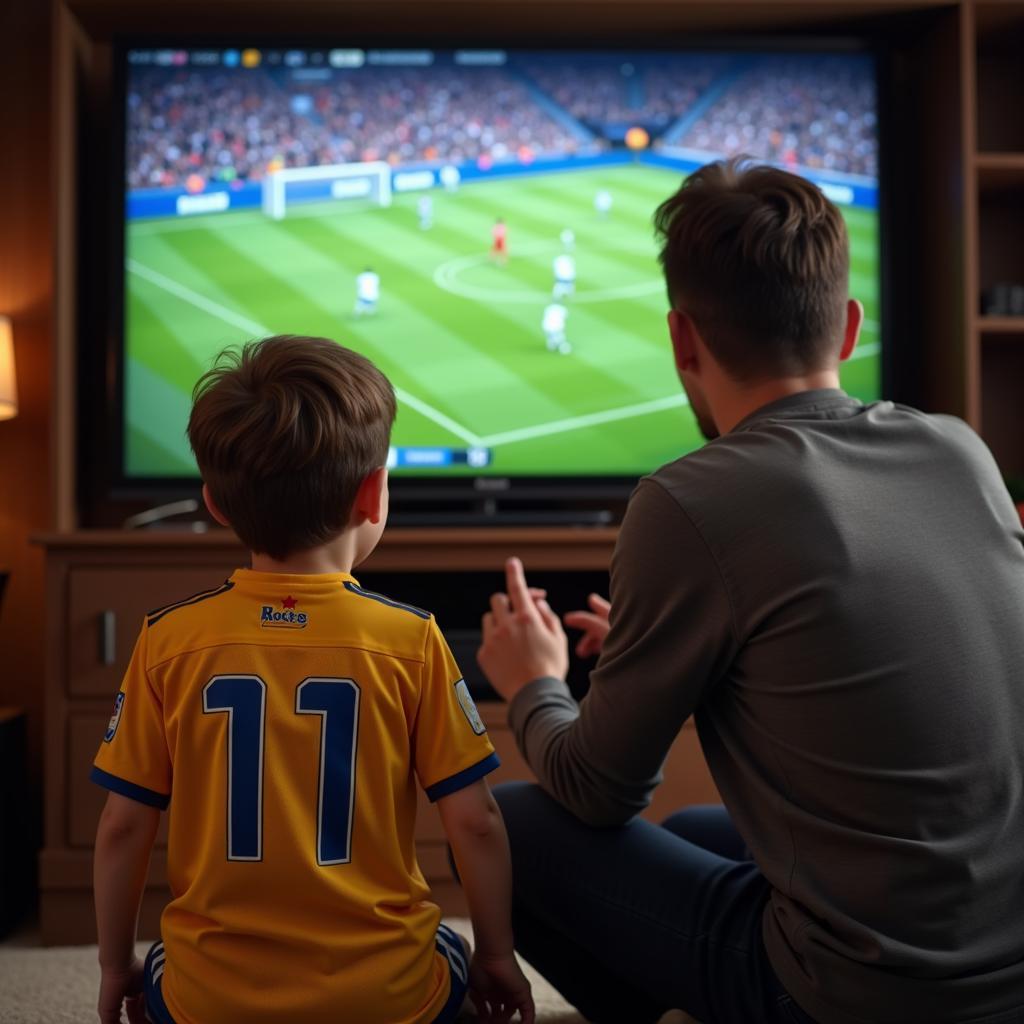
243	699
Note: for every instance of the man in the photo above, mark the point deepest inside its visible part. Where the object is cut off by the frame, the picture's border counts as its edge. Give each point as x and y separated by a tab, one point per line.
835	591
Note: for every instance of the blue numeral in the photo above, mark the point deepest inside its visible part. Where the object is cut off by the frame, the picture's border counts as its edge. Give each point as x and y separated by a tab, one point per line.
337	703
244	698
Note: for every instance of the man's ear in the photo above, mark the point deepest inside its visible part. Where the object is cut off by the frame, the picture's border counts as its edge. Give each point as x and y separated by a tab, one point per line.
211	507
854	319
369	503
683	333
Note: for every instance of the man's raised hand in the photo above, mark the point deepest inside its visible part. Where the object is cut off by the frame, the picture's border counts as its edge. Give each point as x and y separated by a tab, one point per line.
523	638
594	624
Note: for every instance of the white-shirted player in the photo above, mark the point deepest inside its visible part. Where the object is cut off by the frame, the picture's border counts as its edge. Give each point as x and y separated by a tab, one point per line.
553	325
425	211
565	276
568	239
367	292
450	177
603	203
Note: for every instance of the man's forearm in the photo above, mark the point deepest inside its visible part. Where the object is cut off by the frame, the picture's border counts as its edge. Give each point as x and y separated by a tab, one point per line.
543	717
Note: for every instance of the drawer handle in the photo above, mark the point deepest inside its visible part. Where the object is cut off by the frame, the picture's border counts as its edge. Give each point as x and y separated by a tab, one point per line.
108	636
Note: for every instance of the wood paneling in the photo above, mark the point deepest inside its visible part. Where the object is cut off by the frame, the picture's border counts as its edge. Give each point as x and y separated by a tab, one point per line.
26	284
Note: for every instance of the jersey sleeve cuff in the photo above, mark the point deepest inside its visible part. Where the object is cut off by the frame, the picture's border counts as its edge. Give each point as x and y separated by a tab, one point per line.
150	797
462	779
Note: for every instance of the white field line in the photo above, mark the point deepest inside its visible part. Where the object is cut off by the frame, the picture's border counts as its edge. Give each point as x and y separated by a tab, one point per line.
624	412
256	330
438	417
591	419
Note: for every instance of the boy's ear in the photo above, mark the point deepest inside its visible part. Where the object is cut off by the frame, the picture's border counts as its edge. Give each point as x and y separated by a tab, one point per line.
683	333
211	507
369	504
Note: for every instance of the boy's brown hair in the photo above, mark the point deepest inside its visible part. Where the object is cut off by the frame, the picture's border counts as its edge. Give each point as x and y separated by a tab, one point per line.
759	259
284	431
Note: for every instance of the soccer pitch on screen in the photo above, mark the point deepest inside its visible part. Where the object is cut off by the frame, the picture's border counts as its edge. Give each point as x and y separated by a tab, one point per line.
458	334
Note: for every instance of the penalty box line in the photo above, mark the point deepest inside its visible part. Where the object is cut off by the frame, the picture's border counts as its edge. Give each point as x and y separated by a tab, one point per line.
259	330
255	329
428	411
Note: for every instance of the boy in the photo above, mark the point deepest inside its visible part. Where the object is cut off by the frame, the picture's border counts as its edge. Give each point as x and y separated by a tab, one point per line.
290	713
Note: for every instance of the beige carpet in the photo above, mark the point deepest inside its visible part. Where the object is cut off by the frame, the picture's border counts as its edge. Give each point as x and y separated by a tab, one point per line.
58	986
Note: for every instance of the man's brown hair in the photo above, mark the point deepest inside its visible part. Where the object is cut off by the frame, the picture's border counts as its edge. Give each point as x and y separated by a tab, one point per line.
284	431
760	260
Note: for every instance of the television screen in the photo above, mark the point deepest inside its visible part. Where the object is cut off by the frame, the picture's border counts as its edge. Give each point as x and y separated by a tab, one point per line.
477	222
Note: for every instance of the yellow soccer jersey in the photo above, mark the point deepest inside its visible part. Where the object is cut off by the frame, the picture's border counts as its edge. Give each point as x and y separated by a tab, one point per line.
286	720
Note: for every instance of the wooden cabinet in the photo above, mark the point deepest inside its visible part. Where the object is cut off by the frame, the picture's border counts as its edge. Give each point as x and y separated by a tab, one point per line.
101	584
993	41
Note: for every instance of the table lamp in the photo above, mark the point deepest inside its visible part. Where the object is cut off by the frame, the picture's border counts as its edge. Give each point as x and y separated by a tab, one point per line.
8	385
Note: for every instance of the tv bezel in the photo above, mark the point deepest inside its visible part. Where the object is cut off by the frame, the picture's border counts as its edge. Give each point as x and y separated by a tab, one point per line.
116	492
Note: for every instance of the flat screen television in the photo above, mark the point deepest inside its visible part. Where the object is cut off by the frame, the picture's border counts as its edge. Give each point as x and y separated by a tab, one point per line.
476	220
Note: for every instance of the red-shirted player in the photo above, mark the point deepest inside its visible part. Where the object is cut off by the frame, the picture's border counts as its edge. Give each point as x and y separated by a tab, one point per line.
499	242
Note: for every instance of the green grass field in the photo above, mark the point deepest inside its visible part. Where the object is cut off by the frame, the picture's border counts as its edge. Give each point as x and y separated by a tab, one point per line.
459	336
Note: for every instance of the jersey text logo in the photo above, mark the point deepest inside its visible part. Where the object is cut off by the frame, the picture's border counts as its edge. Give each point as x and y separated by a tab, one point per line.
284	618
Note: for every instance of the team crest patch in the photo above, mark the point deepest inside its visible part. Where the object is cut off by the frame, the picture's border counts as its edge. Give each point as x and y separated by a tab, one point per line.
476	723
115	718
285	617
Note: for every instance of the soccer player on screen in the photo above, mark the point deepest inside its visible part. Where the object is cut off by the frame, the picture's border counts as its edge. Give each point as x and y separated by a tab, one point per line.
499	242
568	239
367	293
425	211
293	716
565	276
553	326
603	203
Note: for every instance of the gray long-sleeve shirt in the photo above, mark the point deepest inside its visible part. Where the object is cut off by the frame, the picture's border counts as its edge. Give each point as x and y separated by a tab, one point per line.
836	592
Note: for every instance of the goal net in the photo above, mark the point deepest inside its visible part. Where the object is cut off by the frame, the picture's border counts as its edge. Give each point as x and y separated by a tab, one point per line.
282	189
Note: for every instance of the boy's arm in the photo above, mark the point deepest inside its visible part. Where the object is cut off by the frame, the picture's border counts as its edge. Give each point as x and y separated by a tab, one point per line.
476	833
124	841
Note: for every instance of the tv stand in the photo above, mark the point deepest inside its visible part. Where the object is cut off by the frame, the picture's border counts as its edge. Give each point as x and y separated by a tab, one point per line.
491	515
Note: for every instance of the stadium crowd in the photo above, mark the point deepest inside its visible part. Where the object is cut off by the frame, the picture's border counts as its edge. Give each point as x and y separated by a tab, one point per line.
648	91
810	111
240	125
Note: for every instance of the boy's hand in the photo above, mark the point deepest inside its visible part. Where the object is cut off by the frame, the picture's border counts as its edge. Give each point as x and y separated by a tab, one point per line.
122	986
498	987
594	624
523	639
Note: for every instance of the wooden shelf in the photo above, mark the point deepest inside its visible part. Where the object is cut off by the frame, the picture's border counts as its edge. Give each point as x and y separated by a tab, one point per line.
998	171
1000	325
441	549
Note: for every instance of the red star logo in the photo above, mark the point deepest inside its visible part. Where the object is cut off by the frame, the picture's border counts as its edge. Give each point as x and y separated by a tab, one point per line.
289	602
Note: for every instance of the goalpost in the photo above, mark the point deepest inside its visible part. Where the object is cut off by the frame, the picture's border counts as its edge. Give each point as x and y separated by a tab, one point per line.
370	181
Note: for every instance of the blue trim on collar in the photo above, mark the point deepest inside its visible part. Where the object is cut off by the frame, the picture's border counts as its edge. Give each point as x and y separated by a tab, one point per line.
354	588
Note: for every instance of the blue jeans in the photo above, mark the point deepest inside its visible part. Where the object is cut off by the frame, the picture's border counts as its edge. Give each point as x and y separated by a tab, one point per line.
630	922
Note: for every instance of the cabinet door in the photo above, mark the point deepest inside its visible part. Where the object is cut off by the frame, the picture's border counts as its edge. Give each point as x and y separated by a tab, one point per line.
105	610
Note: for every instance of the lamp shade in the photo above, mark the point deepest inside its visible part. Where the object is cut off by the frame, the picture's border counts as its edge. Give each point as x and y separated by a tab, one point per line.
8	385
